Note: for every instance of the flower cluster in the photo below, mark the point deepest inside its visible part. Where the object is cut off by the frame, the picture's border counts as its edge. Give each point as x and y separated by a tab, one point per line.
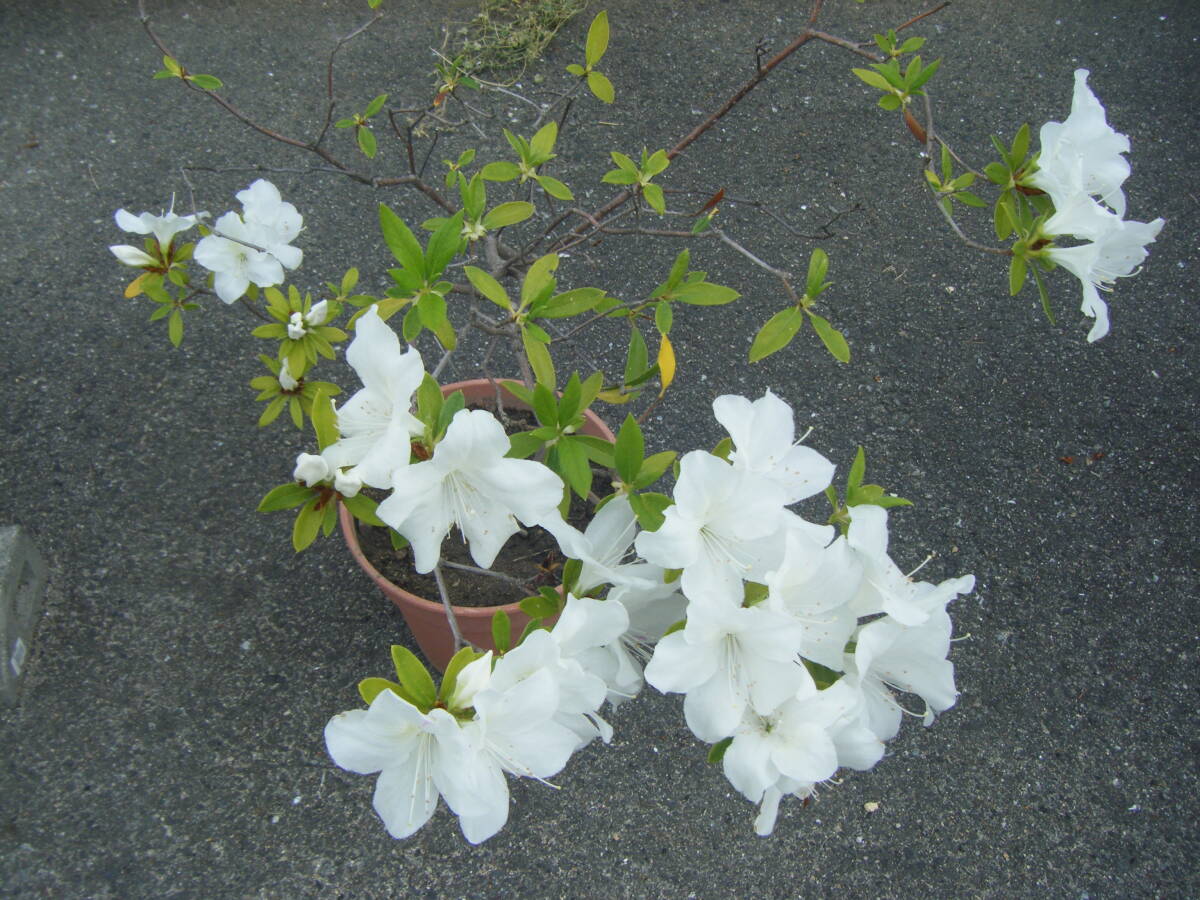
1082	167
523	713
786	638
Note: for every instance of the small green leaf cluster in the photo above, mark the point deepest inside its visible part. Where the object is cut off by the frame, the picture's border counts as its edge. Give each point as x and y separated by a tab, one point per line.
950	187
298	400
359	122
1019	213
301	353
899	86
859	494
419	287
172	69
779	330
169	266
630	173
594	50
318	503
532	154
475	222
560	418
415	685
637	472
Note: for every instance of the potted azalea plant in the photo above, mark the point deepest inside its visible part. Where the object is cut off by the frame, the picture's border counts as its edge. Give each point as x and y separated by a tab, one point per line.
738	575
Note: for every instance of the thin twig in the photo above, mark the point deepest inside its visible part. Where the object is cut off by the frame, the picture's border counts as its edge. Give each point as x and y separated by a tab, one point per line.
451	619
500	576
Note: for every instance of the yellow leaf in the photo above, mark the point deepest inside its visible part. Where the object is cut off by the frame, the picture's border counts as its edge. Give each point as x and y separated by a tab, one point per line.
666	364
134	288
614	396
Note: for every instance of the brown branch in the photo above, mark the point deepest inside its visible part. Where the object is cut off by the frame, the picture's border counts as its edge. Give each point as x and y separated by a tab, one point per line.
929	12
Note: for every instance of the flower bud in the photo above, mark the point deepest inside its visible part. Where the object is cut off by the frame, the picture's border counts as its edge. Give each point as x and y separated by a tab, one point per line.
295	328
318	315
286	381
347	484
310	469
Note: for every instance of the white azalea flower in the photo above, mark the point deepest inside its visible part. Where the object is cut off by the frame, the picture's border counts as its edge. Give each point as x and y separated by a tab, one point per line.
716	529
651	610
603	546
815	585
580	692
890	655
469	483
375	424
1116	252
884	588
164	227
1083	143
419	757
728	658
295	326
254	247
763	434
286	381
317	315
794	742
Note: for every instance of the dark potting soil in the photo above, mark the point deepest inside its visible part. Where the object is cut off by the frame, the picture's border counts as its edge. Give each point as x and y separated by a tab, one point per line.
529	560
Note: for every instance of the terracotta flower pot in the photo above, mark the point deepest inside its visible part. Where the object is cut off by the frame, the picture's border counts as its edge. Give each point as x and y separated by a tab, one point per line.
426	618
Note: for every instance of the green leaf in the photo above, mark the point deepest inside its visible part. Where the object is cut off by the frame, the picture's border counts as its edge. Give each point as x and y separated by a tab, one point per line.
539	607
1002	216
873	78
597	39
539	360
172	66
545	407
636	358
858	469
663	317
1016	275
576	69
1043	295
375	106
507	214
500	171
414	678
518	390
307	524
443	246
654	196
463	658
175	327
717	751
648	508
401	242
501	630
489	287
324	420
833	339
569	303
601	87
573	466
702	293
630	450
678	270
541	144
286	496
429	403
818	267
1020	145
363	508
206	82
925	73
657	162
890	102
619	176
554	187
777	333
537	278
366	141
370	688
653	468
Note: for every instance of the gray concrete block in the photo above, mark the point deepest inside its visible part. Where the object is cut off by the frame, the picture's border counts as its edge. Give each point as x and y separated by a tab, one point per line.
22	585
